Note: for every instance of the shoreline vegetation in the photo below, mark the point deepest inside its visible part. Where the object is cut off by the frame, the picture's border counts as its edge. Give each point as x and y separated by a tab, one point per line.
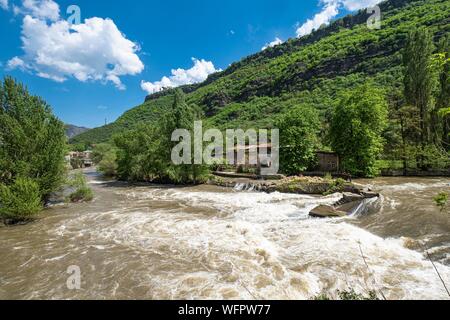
33	145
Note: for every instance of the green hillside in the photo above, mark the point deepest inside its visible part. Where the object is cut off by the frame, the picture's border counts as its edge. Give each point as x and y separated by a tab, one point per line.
312	70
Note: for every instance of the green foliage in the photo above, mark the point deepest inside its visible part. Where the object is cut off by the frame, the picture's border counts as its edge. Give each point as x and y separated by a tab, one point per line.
105	156
349	295
83	194
108	165
100	150
352	295
441	201
20	200
336	186
435	157
76	163
419	82
315	70
32	139
418	76
311	70
82	191
145	154
356	126
445	112
79	147
328	176
298	139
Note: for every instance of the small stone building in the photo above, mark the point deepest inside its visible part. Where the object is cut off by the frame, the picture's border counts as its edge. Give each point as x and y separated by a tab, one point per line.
80	159
328	161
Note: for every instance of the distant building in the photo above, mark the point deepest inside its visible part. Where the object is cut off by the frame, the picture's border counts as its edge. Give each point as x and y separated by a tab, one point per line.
328	161
80	159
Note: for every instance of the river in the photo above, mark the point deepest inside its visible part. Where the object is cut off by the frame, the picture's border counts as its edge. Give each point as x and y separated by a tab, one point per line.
206	242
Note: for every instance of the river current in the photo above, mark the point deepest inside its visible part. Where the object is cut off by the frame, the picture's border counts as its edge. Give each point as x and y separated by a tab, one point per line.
206	242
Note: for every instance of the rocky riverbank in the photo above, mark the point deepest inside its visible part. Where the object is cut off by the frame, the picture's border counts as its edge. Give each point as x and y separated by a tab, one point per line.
295	185
353	194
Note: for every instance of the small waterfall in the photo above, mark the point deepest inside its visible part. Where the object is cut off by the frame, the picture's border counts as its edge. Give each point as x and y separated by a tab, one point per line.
246	187
366	206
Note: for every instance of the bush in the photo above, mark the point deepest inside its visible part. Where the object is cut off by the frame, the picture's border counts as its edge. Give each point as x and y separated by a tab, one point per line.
76	163
108	164
441	201
336	186
20	200
100	151
82	191
82	194
350	295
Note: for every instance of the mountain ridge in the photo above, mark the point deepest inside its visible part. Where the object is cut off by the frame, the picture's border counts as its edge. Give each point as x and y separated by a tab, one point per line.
311	69
73	131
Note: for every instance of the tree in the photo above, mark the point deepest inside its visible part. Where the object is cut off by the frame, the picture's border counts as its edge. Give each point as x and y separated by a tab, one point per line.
100	150
355	132
181	116
419	80
145	153
108	165
20	200
138	156
32	139
443	98
403	130
79	147
298	139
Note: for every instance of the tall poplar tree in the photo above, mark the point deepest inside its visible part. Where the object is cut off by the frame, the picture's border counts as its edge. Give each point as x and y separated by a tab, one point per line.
418	80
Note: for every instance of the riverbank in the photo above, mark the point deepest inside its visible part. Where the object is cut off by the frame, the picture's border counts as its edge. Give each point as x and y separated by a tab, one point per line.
293	185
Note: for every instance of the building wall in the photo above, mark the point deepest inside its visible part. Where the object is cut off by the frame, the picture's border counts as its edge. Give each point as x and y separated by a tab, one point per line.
328	162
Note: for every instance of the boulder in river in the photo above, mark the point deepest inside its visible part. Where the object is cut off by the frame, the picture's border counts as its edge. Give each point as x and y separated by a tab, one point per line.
370	195
352	197
326	212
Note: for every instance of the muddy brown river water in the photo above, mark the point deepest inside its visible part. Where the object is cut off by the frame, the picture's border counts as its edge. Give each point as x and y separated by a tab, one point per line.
153	242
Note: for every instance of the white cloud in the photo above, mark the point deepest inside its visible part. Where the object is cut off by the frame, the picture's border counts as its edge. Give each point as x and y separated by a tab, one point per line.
95	50
324	17
353	5
198	73
4	4
16	63
41	9
274	43
330	10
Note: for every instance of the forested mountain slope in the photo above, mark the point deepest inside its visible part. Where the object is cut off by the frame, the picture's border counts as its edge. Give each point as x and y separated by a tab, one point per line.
311	70
72	131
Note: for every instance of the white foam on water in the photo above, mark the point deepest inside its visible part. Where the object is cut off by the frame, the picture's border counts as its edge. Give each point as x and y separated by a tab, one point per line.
256	245
415	186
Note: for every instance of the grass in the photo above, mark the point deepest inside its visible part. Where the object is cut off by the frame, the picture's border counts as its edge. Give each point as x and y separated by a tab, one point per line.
82	192
349	295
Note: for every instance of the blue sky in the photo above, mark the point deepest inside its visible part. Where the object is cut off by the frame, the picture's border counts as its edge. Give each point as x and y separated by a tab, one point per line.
145	40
